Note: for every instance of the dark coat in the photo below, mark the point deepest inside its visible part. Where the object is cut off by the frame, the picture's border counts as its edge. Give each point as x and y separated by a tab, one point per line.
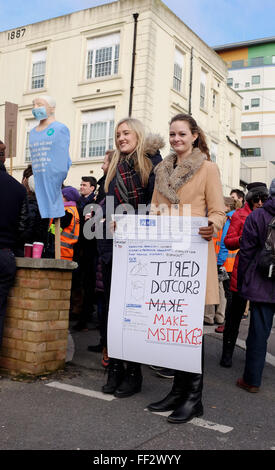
232	239
14	219
37	229
251	284
100	193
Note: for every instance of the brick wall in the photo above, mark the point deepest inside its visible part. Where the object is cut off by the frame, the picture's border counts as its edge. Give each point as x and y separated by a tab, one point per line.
37	319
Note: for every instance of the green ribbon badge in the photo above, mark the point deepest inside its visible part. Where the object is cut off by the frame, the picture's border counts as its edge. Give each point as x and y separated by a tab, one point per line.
50	132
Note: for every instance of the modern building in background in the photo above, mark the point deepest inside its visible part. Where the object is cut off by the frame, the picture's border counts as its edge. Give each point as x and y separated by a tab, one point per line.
102	64
251	72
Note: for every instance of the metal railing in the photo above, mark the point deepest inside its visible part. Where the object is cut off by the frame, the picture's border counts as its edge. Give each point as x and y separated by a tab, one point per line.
252	62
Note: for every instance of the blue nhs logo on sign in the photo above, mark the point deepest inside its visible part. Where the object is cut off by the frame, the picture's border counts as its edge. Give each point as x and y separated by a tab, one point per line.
147	223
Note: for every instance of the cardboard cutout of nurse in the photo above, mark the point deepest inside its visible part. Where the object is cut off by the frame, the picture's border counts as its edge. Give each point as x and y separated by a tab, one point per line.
49	148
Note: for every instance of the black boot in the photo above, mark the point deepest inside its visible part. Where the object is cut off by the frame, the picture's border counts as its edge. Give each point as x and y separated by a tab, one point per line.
132	381
174	397
191	405
116	374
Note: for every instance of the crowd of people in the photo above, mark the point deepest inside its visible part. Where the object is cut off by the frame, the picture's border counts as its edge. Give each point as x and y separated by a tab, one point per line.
134	173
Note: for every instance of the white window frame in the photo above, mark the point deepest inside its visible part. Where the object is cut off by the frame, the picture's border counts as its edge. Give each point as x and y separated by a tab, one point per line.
215	100
178	70
102	56
38	72
97	133
213	151
203	81
30	124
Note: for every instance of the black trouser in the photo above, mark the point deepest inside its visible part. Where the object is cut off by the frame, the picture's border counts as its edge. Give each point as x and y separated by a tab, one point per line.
7	275
233	319
228	295
87	265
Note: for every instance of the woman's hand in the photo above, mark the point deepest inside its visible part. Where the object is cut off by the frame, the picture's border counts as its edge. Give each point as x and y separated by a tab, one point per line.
207	232
112	226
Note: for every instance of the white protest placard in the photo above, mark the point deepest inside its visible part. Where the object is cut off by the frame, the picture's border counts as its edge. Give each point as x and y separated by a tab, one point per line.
158	291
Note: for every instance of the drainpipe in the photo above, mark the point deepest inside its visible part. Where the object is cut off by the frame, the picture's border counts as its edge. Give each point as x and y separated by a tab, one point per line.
135	15
190	82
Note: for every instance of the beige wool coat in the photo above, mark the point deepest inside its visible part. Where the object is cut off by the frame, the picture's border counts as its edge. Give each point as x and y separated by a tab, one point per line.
196	182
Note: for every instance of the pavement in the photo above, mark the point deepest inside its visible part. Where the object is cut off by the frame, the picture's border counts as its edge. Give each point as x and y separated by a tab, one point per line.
67	411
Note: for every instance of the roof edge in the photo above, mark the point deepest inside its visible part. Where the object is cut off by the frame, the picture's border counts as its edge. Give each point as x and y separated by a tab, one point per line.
252	42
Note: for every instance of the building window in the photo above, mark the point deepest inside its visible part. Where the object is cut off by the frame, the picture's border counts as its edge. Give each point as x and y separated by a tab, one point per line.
250	126
246	107
215	98
255	102
253	152
30	124
237	85
97	132
230	81
213	151
247	84
255	61
102	56
236	64
256	79
203	90
178	70
38	69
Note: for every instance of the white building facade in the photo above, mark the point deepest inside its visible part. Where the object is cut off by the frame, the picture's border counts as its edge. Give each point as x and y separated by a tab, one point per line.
251	73
85	61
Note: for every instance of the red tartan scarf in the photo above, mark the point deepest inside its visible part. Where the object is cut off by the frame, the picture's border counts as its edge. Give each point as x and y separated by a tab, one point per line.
128	188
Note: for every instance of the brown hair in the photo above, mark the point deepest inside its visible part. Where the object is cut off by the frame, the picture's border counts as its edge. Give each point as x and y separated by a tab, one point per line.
229	201
27	172
200	142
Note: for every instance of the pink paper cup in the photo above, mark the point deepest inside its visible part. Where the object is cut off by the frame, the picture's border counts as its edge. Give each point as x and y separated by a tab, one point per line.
28	250
37	249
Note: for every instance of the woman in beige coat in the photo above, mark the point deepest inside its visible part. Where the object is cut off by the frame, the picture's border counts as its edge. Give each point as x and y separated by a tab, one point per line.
187	176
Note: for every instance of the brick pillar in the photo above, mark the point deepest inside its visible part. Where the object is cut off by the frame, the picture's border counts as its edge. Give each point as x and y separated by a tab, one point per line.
37	320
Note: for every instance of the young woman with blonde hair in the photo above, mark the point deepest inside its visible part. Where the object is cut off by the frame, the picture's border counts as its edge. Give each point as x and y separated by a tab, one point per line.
130	180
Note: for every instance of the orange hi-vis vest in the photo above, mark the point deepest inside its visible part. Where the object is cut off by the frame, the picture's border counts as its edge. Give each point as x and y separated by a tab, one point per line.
69	235
230	260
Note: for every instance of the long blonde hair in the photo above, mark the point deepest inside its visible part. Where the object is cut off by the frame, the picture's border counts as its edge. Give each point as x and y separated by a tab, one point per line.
144	164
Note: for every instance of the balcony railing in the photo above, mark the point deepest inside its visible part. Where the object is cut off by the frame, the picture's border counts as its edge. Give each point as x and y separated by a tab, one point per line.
252	62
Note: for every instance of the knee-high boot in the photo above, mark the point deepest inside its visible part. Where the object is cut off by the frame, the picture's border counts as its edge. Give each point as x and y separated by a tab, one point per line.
132	381
191	405
116	374
174	397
